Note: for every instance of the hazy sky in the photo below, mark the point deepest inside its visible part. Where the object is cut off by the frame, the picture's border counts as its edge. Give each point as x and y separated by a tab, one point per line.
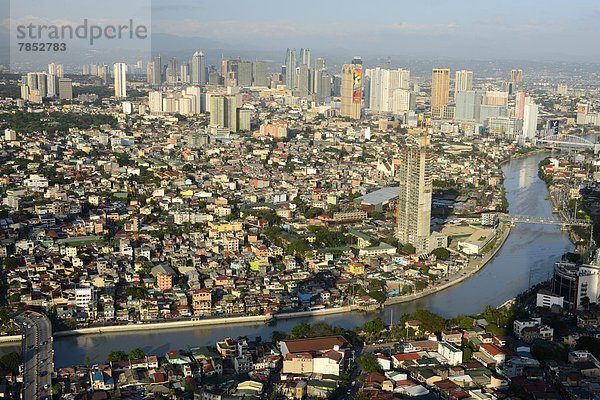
508	29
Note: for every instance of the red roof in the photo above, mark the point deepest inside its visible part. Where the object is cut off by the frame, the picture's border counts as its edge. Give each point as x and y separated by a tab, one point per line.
491	349
407	356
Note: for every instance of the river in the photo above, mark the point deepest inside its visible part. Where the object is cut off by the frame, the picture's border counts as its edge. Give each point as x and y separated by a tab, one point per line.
526	258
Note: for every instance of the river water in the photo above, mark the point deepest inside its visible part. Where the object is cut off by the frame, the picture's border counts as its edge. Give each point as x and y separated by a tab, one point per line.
526	258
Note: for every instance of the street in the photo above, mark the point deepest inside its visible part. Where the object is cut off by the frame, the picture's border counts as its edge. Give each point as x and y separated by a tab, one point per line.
37	355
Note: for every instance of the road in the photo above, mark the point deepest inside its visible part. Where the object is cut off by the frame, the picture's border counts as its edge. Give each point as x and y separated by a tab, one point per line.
37	355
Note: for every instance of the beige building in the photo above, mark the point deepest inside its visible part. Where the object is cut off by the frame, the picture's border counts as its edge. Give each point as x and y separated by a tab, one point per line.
440	89
414	200
351	90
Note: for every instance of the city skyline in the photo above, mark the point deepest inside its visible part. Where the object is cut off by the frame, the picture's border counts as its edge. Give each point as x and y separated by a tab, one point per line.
425	29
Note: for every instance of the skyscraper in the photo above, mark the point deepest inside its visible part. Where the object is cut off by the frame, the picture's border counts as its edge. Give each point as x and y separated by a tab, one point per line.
198	72
56	70
530	120
65	88
323	86
290	69
260	73
243	70
414	200
463	80
151	72
383	83
303	80
468	105
305	57
184	73
223	112
351	89
516	77
120	78
520	103
317	74
172	71
440	88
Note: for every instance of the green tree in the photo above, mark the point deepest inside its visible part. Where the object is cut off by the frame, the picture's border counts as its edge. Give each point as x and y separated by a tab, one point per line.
430	322
374	326
11	361
441	253
56	389
301	330
590	344
368	363
136	353
11	263
117	355
408	249
378	295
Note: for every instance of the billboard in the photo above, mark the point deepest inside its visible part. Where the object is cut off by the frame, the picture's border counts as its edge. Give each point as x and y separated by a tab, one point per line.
553	126
357	85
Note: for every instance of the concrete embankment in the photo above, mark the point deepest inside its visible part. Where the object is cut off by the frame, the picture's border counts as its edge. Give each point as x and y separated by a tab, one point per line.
472	270
10	339
162	325
187	324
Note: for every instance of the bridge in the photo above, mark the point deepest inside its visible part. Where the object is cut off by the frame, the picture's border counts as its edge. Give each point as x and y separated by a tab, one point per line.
564	140
528	219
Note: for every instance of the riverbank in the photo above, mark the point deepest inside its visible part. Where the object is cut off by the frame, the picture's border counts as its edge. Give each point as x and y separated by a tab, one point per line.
473	268
188	324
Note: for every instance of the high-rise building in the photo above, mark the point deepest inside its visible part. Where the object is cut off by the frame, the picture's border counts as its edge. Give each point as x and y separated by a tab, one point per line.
403	101
440	89
172	71
153	73
414	201
463	80
468	105
562	89
155	101
52	85
516	77
223	112
317	73
260	73
290	69
530	120
324	86
120	78
351	89
243	70
305	57
65	88
383	83
184	73
495	98
56	70
303	81
520	103
198	70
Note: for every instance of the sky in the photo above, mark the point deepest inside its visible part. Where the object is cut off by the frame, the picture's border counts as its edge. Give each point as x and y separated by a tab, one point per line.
532	30
509	29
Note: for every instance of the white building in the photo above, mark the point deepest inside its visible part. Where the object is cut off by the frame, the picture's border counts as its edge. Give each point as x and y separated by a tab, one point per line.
120	77
463	81
384	83
84	298
548	299
450	353
530	120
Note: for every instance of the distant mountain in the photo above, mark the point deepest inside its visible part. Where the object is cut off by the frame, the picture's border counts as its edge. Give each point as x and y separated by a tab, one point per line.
165	42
